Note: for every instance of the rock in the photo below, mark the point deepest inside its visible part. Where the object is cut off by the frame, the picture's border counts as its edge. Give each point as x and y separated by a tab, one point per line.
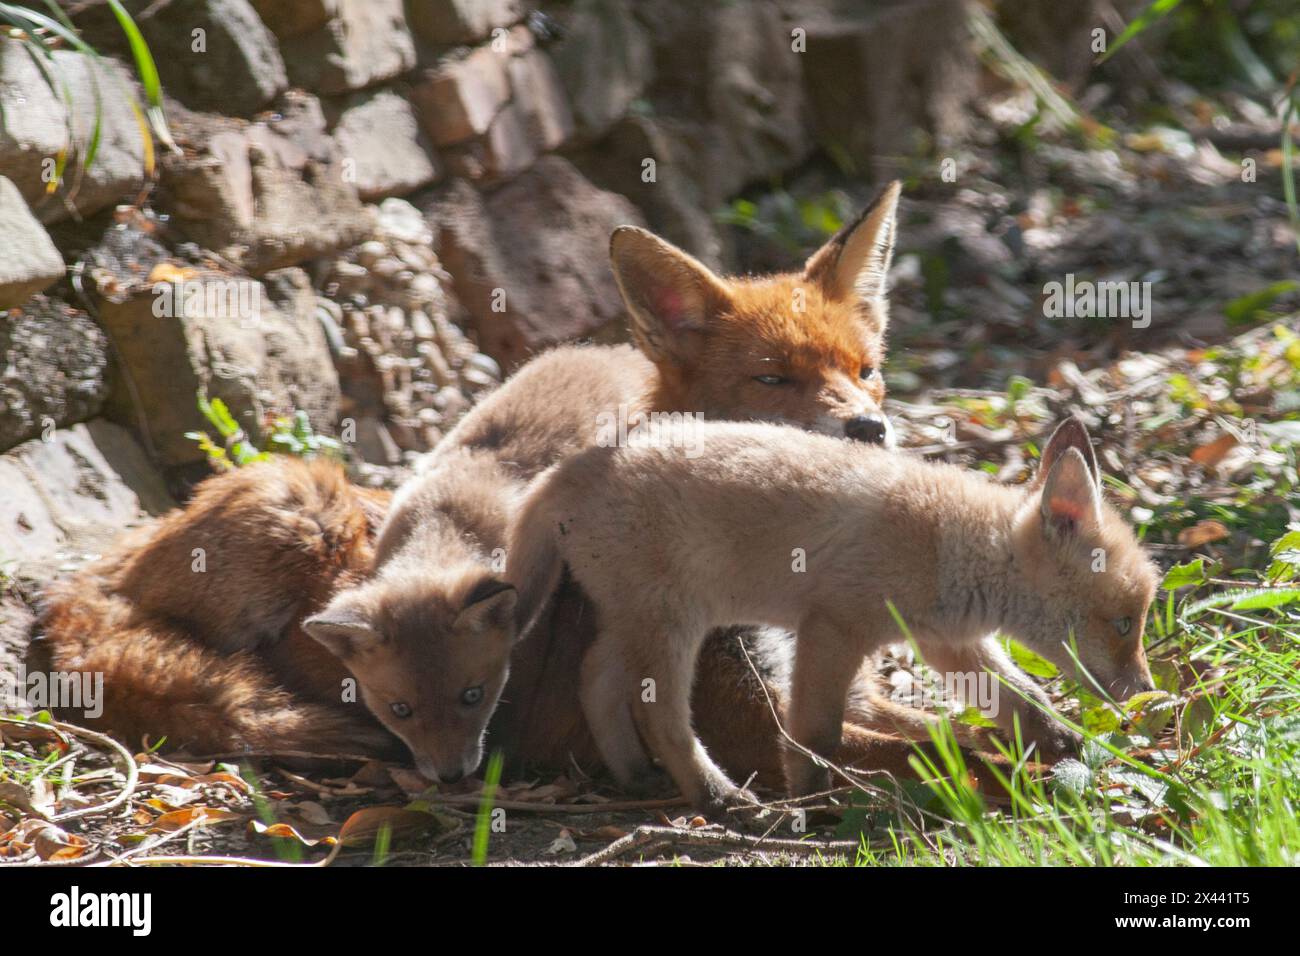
291	18
460	98
259	348
505	151
73	493
399	220
541	100
878	78
53	369
28	260
446	22
35	130
375	444
672	202
213	55
537	250
366	42
604	60
380	134
263	195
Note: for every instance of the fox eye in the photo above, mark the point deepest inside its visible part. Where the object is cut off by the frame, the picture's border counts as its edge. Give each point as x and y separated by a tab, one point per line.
866	373
472	696
771	379
1124	625
401	709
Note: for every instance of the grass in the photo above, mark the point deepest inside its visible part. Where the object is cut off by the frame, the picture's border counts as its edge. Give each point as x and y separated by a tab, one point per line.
1207	774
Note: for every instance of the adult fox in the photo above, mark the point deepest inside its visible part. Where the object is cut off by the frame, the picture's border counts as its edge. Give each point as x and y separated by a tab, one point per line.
220	661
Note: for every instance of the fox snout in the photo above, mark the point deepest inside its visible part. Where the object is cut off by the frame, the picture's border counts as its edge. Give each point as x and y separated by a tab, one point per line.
450	770
874	429
1125	686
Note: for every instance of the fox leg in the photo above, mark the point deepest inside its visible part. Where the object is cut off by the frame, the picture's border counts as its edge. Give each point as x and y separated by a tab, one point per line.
661	671
818	689
1028	702
607	694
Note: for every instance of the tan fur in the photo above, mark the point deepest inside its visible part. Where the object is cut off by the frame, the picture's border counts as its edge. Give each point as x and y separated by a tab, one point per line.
708	339
717	536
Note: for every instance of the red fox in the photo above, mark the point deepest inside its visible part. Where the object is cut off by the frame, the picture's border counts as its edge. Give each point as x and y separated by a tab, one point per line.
194	620
669	545
429	650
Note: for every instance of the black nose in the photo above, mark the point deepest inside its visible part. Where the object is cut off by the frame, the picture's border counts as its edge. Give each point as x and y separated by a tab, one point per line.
450	777
867	428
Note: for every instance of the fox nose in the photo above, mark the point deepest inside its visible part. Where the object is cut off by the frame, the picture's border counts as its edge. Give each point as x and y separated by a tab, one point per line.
451	776
871	429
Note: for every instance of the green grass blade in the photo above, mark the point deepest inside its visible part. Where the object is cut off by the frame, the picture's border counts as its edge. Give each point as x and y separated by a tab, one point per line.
1156	11
148	70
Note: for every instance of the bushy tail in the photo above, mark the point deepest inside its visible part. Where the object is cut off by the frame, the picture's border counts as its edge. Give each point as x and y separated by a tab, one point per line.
159	683
533	562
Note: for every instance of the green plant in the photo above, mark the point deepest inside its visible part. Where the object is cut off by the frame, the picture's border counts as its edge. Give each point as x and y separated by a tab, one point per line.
42	35
236	450
290	435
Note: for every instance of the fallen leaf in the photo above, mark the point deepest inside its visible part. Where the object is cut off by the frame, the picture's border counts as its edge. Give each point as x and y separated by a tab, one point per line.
1211	454
54	844
170	272
1203	532
561	844
205	815
313	812
284	831
363	826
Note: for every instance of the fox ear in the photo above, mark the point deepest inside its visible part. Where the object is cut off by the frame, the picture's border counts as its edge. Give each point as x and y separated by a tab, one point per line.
1071	433
854	263
1071	499
490	605
342	629
668	292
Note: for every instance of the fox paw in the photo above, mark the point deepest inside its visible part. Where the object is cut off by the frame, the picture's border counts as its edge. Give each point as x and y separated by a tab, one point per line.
1058	742
718	800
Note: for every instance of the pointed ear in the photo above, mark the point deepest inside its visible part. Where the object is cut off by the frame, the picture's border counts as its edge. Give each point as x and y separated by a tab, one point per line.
490	605
854	263
1070	501
669	293
342	628
1071	433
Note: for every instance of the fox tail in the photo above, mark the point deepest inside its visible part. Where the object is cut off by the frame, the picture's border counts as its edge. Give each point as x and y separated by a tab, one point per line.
158	682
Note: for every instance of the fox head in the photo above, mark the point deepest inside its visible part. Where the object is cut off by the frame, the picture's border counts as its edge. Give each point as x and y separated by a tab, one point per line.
1085	578
430	657
804	349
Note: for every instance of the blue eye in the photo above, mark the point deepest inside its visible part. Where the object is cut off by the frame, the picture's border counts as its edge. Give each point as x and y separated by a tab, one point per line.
401	709
771	379
472	697
1124	625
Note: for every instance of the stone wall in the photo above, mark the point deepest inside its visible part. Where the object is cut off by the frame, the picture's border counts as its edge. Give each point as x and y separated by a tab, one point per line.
374	207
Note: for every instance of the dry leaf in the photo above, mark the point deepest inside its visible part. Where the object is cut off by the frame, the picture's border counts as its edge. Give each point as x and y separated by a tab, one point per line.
363	826
286	832
1203	532
170	272
54	844
562	844
1211	454
313	812
205	815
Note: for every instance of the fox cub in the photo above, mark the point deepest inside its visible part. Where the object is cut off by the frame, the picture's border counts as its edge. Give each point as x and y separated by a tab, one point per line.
668	546
429	635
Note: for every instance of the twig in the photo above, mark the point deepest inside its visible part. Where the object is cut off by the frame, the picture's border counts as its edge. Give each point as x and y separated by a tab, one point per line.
132	776
472	799
643	836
